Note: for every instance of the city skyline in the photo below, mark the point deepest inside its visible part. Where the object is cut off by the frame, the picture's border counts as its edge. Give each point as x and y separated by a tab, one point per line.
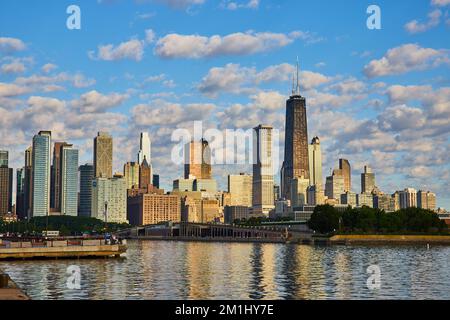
361	104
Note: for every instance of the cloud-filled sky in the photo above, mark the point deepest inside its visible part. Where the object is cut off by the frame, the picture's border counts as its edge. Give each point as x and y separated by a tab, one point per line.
376	97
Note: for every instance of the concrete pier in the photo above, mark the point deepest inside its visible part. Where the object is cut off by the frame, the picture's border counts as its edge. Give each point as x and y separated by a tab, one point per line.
60	249
9	290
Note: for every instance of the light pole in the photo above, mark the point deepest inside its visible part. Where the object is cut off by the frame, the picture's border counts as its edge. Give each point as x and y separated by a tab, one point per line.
106	217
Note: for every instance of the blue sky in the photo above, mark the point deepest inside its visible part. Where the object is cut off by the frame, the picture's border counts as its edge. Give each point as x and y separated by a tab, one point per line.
377	97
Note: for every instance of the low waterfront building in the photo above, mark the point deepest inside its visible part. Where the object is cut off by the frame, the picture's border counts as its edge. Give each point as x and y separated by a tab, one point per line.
145	209
233	213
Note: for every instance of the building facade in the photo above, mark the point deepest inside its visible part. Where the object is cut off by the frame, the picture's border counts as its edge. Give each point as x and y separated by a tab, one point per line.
131	174
148	208
109	195
346	172
41	174
367	180
197	160
69	181
103	155
262	197
86	179
315	163
240	188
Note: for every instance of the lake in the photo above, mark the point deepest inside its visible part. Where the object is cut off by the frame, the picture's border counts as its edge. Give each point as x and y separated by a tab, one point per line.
207	270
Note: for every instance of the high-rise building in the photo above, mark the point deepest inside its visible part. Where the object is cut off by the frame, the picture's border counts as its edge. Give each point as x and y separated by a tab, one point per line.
426	200
315	163
86	179
131	174
155	180
197	160
55	183
240	188
276	193
384	202
299	193
334	186
145	149
346	172
20	194
349	198
365	199
296	160
367	180
6	176
69	180
262	201
103	155
109	199
315	196
4	157
145	175
408	198
145	209
28	183
41	174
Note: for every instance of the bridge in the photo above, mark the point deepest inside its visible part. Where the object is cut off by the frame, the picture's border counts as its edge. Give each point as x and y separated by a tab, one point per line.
218	232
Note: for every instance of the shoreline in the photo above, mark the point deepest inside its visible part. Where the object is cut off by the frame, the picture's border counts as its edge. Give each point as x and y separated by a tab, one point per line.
389	239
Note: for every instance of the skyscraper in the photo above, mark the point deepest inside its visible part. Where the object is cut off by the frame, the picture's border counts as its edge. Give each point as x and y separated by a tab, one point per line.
3	158
69	180
6	175
86	178
426	200
240	188
197	160
334	186
103	155
145	175
109	195
346	172
315	163
20	194
41	174
367	180
296	162
145	148
408	198
131	174
55	184
28	183
263	200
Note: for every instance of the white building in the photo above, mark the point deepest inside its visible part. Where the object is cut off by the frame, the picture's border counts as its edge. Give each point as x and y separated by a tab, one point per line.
408	198
299	194
112	193
315	163
263	199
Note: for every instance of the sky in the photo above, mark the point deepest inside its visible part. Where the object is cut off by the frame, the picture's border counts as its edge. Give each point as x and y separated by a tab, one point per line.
377	97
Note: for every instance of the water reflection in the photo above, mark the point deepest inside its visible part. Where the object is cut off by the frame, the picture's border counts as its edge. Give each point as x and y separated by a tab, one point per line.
195	270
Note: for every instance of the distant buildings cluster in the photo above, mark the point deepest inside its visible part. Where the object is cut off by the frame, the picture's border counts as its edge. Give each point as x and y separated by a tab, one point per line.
51	182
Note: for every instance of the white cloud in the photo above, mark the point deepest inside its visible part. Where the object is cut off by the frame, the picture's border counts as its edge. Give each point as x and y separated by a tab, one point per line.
233	5
406	58
132	49
181	4
434	18
196	46
232	78
13	67
440	3
94	102
10	45
11	90
48	67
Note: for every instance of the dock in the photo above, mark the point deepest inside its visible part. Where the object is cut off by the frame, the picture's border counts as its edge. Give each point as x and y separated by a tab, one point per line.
9	290
60	249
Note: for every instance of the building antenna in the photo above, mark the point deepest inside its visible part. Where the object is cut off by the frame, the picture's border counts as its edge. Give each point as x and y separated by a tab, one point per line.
298	85
293	84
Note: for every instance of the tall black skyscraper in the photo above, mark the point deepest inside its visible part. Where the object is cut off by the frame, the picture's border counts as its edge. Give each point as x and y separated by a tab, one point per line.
296	162
86	178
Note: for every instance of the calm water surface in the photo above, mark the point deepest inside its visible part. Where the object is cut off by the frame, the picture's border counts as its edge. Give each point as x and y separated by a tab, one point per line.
191	270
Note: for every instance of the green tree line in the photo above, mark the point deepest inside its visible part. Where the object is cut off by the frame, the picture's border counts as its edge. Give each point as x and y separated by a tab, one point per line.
326	219
66	225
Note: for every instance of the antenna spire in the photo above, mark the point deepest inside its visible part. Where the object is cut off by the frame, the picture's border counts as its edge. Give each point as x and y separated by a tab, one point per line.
297	89
293	84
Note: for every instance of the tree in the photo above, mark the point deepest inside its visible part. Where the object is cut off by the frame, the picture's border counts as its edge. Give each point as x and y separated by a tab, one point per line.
325	219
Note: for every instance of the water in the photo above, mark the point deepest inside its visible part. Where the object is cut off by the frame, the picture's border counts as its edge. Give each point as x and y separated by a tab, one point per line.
194	270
